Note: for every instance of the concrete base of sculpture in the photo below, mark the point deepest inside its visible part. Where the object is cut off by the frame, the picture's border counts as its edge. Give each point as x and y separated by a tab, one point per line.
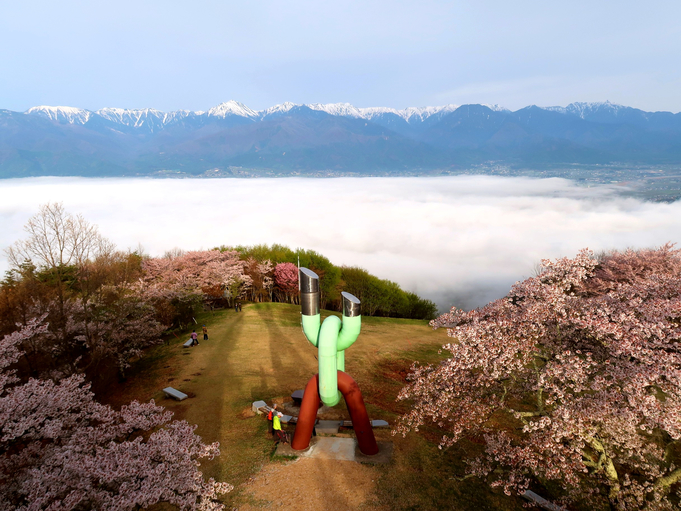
342	449
355	403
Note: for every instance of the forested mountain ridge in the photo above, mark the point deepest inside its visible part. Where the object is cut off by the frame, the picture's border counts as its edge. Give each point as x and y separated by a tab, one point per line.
232	139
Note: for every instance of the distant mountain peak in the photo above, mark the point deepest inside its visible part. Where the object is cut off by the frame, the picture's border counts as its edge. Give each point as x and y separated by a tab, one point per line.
373	111
495	107
278	109
340	109
232	107
135	118
61	114
422	113
583	109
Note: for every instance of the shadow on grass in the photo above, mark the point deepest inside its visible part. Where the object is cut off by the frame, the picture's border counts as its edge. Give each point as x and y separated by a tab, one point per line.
261	353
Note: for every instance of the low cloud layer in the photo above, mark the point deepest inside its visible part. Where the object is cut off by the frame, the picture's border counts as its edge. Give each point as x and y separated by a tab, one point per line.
459	240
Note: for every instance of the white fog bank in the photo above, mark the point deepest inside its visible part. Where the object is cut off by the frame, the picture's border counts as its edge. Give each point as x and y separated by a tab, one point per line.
460	240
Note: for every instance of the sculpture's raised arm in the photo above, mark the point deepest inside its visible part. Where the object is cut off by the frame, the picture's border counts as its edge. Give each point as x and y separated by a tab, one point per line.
332	337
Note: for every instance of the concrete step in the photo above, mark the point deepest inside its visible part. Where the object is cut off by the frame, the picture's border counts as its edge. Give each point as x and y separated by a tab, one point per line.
328	427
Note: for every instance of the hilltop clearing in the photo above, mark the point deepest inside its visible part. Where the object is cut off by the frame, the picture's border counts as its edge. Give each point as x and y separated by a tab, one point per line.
261	353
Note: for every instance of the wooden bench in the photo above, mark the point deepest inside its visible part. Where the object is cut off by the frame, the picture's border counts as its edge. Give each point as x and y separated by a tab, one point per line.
174	393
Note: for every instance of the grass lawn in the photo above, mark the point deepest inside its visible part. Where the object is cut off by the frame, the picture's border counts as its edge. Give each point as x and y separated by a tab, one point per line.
261	354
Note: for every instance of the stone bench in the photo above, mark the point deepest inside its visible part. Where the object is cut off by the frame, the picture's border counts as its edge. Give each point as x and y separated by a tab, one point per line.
374	424
260	407
174	393
297	397
328	427
541	501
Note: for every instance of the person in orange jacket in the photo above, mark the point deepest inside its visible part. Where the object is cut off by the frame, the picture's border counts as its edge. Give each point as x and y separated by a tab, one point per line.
270	418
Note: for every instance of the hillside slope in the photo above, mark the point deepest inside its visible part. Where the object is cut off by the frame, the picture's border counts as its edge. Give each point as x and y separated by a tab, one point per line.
261	353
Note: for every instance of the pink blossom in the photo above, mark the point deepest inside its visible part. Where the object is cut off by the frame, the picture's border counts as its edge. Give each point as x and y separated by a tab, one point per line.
286	279
61	450
586	358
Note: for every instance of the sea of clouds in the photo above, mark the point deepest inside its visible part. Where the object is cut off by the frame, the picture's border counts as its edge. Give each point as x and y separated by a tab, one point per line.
460	240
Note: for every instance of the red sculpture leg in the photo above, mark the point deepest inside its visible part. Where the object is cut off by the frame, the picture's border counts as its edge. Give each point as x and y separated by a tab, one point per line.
307	416
358	413
355	403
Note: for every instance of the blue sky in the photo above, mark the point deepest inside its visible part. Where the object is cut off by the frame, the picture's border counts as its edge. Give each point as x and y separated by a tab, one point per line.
193	55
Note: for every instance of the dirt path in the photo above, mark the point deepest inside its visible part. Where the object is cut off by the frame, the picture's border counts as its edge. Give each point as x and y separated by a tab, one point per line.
311	484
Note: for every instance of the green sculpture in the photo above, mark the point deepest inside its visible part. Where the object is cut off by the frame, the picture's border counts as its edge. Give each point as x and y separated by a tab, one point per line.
331	338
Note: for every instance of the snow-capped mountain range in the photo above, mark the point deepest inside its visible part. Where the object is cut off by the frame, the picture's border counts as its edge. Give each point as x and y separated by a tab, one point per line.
150	119
138	118
331	138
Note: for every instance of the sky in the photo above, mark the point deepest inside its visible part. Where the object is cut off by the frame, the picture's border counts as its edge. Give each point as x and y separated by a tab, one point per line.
171	55
459	240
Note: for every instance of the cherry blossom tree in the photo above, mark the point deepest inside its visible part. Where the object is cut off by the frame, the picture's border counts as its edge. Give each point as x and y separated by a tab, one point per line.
184	280
60	246
261	278
286	279
574	376
266	272
193	271
98	330
61	450
116	324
